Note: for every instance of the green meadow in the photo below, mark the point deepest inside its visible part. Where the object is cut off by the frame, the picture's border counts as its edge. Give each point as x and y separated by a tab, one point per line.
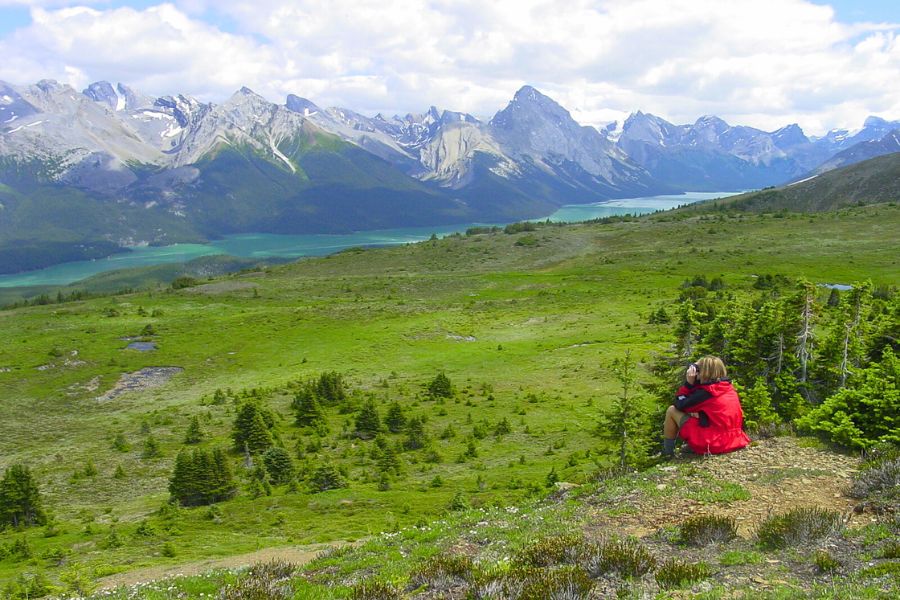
525	326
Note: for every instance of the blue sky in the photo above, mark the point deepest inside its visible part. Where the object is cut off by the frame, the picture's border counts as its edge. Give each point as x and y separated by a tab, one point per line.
764	63
866	10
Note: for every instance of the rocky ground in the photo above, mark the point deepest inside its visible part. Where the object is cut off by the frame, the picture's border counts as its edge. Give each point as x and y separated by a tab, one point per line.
778	474
144	379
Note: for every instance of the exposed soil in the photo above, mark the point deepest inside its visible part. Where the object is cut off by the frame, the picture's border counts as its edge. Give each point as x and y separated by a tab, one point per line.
144	379
221	287
297	555
778	473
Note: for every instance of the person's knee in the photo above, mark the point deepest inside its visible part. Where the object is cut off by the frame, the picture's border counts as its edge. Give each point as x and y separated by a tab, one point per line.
670	412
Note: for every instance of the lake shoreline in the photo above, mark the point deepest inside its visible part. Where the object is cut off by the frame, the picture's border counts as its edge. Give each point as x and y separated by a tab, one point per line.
287	246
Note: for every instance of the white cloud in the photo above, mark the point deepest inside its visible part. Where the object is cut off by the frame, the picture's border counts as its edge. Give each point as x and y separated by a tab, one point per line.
759	62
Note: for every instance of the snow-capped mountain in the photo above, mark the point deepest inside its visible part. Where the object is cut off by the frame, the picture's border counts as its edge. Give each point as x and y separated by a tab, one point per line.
861	151
131	168
711	154
538	133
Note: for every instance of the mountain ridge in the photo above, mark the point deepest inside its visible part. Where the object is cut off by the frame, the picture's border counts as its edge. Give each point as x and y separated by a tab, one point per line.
196	170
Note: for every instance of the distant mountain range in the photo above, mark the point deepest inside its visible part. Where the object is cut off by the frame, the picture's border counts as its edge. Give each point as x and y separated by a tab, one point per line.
84	173
871	181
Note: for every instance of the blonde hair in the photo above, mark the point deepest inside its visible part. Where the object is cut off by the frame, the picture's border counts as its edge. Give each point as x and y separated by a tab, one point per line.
711	369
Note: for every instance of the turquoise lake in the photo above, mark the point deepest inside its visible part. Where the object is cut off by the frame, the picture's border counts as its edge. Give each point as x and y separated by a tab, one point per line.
266	245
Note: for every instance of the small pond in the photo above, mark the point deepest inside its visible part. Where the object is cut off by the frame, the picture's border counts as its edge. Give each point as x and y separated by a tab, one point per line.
141	346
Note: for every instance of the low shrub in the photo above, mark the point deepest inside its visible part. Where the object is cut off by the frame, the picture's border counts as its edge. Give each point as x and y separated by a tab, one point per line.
702	530
443	572
625	557
263	581
825	562
797	527
890	550
550	551
570	583
879	476
885	569
458	503
373	589
675	573
273	569
734	558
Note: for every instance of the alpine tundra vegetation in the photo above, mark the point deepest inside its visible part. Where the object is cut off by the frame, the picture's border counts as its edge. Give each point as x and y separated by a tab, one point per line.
471	416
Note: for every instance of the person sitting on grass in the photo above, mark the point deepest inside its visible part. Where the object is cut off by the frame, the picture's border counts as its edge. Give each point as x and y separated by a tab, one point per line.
707	412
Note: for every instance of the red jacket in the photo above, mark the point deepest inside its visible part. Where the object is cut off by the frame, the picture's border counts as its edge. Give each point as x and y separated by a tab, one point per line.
724	421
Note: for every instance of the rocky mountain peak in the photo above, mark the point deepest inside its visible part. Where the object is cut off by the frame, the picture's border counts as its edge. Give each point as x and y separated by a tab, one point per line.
13	106
185	109
645	127
711	122
527	93
789	136
121	97
302	105
528	106
449	116
49	85
102	92
133	99
873	121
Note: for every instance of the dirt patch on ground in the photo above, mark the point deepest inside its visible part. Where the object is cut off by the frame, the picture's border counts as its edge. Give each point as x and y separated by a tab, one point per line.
297	555
778	473
144	379
220	287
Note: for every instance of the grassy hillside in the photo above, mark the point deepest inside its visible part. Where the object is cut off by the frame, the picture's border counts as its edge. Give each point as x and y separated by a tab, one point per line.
873	181
525	326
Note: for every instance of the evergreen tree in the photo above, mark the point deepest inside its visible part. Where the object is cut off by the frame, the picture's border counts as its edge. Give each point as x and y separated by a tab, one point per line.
222	486
853	348
866	411
194	434
327	477
20	498
440	386
250	431
201	477
416	437
279	465
184	483
307	409
368	423
552	478
626	424
388	461
660	317
330	388
395	419
120	443
718	337
151	448
804	307
757	405
259	484
688	329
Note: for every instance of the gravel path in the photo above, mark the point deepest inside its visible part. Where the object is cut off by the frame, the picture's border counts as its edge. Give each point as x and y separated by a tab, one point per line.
297	555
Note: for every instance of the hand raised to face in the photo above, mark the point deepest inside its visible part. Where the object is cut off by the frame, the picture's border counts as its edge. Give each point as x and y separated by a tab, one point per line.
692	374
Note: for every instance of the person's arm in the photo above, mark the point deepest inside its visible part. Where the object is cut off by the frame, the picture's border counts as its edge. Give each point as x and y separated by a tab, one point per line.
694	396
